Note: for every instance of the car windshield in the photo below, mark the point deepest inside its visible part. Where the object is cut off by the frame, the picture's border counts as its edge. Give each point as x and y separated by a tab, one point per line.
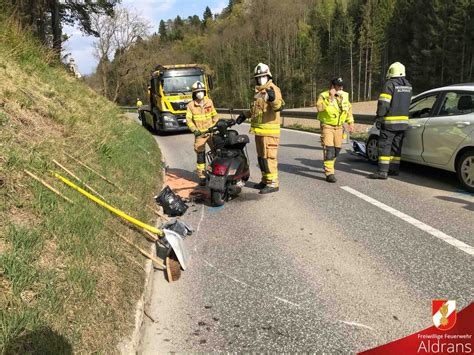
180	84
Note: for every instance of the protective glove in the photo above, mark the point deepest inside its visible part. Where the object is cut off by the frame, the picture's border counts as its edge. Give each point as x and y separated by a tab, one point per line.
241	118
197	133
270	94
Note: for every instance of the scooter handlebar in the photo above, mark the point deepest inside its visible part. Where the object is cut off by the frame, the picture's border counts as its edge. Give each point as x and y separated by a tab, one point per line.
221	124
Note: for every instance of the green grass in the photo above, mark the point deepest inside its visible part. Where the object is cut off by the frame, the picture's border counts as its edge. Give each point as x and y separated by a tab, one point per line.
360	136
300	127
66	282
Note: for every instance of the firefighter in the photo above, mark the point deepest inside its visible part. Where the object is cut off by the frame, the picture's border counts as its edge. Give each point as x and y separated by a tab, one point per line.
334	110
265	125
200	116
392	111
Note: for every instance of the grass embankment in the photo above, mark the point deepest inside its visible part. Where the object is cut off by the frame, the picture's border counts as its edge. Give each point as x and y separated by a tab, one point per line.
361	136
66	282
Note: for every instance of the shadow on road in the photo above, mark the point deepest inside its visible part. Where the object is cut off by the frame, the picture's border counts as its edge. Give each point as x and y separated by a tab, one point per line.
304	171
410	173
415	174
467	205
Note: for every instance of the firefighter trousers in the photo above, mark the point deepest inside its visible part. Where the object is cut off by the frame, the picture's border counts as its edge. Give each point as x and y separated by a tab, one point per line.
200	149
390	149
267	151
331	140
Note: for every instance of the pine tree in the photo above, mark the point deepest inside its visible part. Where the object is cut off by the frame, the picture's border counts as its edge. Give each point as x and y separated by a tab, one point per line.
207	14
162	31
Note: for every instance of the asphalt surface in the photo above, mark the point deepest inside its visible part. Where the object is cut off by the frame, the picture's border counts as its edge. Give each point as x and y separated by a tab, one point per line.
312	267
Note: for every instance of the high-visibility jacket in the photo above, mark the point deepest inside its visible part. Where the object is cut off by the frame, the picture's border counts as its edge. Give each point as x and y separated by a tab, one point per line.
201	116
139	104
335	112
394	103
265	116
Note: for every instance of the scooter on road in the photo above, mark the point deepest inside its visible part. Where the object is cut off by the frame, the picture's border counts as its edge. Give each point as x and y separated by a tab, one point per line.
228	163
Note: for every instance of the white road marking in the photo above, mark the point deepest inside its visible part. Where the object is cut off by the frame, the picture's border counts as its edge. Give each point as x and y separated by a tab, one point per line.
225	274
249	286
418	224
286	301
361	171
355	324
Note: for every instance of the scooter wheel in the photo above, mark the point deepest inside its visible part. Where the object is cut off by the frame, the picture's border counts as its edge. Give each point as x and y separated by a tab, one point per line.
217	198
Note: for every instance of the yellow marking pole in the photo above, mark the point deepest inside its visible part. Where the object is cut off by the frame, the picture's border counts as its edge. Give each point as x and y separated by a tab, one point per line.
109	207
75	177
44	183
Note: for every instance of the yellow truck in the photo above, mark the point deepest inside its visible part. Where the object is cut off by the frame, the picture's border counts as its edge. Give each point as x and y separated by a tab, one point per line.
169	92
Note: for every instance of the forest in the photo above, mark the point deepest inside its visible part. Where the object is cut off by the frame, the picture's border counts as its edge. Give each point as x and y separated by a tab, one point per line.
305	42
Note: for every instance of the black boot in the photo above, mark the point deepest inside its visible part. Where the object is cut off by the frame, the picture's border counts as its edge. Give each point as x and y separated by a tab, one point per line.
393	173
202	181
268	190
380	175
331	178
260	185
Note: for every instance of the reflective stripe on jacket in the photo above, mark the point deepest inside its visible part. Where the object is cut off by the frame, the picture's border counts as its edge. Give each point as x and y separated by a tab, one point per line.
265	116
394	104
334	113
201	117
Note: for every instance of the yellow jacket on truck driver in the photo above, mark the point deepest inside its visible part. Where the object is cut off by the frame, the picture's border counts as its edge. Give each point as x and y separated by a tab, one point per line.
265	116
334	113
201	116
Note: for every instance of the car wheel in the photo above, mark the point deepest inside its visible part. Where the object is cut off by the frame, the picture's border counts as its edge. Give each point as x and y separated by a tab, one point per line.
372	149
465	170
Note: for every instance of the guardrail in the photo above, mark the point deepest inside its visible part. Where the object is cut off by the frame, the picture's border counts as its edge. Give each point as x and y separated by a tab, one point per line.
365	119
128	108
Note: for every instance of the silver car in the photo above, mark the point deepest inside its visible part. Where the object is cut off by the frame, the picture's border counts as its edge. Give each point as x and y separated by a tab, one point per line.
440	132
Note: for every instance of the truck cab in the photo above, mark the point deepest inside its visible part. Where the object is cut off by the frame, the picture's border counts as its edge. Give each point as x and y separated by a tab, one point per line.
169	93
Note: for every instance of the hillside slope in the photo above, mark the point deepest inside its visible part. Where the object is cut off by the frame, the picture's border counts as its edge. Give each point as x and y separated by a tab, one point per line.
66	282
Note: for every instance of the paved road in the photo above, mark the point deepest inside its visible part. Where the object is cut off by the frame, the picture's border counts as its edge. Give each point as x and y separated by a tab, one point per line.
315	267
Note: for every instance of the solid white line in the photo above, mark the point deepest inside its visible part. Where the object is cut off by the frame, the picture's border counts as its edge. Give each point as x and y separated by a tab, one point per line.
420	225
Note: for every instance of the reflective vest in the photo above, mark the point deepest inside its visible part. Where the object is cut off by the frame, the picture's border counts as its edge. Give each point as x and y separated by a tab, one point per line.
394	104
334	113
265	116
139	104
201	117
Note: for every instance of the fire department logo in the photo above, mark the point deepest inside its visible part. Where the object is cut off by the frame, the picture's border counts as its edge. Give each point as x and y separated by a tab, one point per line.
444	314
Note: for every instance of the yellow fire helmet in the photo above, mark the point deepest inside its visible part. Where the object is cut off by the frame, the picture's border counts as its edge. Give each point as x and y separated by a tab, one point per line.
395	70
198	86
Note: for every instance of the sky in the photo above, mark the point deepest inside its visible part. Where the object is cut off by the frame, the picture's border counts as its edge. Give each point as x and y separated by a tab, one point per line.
81	47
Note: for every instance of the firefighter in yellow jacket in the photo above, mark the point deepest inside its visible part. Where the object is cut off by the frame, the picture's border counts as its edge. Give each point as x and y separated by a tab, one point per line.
265	125
334	109
200	116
